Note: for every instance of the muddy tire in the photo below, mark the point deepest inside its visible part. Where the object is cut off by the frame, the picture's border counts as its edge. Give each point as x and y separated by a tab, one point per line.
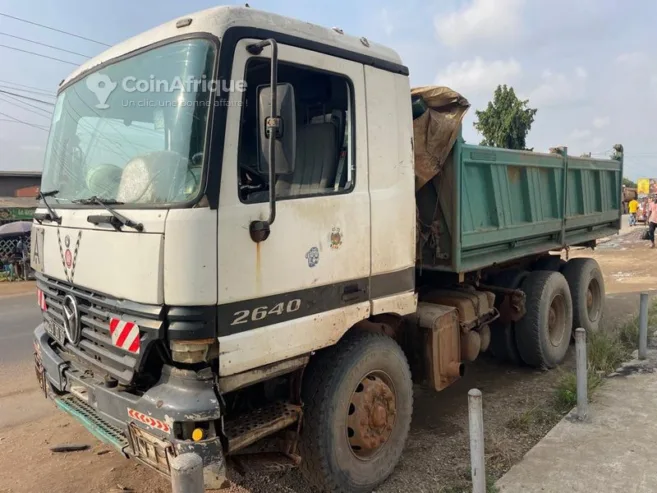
587	289
543	334
552	263
358	401
503	338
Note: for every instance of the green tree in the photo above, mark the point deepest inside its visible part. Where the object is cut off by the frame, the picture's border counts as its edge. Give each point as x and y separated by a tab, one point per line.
629	183
506	121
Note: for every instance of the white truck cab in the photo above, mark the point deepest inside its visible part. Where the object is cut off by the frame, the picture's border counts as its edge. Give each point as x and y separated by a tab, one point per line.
171	275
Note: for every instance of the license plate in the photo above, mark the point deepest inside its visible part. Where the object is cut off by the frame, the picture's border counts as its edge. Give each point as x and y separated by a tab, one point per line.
56	332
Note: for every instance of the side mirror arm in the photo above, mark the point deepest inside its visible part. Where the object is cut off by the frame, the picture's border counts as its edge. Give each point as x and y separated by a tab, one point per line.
259	229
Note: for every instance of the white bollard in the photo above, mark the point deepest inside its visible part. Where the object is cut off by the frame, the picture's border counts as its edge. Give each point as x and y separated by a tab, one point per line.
187	474
477	462
643	326
582	377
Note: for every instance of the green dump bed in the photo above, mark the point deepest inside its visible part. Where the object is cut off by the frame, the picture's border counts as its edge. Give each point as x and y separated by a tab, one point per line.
491	206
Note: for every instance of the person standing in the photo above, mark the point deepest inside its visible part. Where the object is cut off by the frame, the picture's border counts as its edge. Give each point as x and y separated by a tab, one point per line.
652	220
632	208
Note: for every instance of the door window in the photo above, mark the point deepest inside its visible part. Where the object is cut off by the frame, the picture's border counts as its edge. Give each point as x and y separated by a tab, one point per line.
324	156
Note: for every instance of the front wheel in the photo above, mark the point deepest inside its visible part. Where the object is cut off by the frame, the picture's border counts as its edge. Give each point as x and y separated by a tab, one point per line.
358	399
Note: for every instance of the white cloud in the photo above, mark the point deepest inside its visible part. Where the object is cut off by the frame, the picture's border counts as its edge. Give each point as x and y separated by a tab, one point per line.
559	89
478	76
583	141
601	121
386	23
578	134
633	58
481	20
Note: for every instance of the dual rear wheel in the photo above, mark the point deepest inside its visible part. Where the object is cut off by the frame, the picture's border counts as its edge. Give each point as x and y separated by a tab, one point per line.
559	299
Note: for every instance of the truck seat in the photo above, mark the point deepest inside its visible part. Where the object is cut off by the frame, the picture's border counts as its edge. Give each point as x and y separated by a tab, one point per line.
316	162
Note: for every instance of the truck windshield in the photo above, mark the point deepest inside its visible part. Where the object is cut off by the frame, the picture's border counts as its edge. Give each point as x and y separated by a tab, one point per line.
135	131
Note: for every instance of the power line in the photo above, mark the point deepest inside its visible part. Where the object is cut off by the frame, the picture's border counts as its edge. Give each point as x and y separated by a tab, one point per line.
25	85
7	120
54	29
43	44
24	122
24	109
27	97
39	54
28	91
14	98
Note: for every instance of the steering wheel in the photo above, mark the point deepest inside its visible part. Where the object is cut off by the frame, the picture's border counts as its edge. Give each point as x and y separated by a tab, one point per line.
197	159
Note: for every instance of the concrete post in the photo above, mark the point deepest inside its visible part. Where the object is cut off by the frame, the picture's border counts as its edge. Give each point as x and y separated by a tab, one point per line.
643	326
477	462
582	374
187	474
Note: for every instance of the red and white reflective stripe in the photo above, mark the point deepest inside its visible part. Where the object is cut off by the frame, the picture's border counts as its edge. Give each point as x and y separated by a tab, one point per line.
125	335
41	300
149	420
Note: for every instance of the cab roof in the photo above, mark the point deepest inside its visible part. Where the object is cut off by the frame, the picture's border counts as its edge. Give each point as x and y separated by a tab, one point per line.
218	20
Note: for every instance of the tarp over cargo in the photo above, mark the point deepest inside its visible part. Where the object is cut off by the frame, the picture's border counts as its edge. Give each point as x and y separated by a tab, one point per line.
436	130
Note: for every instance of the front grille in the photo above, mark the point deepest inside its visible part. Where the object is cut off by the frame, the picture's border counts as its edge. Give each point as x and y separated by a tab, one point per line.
95	349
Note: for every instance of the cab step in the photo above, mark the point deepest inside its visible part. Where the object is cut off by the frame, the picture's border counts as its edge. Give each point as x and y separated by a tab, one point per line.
259	423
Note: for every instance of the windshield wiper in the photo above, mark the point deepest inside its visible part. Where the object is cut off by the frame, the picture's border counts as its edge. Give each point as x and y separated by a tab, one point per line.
117	220
52	215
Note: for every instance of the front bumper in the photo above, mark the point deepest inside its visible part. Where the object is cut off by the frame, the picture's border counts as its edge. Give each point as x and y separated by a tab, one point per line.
146	427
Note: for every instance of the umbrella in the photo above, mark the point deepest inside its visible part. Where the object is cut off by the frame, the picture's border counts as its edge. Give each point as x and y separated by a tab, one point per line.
15	229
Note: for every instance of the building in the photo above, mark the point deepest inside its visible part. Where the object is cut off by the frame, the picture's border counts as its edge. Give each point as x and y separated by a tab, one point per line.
19	183
18	191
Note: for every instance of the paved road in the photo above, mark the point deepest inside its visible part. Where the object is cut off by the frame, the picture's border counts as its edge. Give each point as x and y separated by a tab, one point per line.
19	315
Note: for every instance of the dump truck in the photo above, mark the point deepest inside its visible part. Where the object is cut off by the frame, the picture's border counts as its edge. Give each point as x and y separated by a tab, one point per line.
247	248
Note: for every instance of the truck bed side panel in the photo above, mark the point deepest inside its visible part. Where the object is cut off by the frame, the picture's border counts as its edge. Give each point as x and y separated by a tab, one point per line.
511	204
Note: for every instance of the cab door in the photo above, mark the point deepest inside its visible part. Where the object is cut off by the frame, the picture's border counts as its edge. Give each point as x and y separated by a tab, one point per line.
308	282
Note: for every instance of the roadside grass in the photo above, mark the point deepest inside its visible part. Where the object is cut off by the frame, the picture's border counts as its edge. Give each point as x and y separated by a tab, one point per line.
490	485
605	351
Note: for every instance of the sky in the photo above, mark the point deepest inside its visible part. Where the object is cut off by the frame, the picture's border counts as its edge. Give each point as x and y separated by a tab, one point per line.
588	66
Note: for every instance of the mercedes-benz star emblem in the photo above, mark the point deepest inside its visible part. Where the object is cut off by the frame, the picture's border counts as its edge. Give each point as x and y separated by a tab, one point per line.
71	320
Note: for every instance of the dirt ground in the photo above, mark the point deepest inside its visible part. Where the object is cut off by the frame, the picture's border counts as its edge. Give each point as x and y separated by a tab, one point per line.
436	457
16	288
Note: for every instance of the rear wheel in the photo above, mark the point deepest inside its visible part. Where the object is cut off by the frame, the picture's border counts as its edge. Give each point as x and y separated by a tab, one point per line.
503	339
587	289
543	334
358	402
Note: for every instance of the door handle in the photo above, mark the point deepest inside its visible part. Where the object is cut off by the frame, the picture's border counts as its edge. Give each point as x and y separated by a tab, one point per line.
351	292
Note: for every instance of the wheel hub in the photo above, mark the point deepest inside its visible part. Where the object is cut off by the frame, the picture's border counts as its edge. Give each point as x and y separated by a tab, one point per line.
371	416
556	320
552	318
589	298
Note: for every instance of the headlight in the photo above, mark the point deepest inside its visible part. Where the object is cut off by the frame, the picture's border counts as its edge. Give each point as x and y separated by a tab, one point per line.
194	351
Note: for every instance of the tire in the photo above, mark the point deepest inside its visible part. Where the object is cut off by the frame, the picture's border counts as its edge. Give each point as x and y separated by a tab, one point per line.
552	263
587	288
543	334
503	339
337	383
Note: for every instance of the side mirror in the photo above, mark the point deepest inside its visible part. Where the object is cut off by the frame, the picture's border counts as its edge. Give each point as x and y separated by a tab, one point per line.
281	125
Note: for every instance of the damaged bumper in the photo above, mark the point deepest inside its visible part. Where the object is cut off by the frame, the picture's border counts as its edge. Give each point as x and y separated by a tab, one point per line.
152	427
